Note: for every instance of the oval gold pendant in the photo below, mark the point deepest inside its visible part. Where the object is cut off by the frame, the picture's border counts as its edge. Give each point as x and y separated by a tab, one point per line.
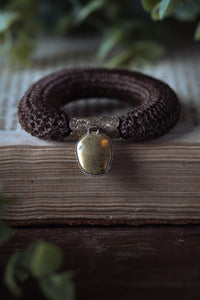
94	153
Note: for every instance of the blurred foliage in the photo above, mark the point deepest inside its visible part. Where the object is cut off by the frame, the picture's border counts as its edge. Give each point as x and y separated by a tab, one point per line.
38	262
129	32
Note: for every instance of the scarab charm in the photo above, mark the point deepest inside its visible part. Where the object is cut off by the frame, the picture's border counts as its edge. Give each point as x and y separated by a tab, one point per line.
94	153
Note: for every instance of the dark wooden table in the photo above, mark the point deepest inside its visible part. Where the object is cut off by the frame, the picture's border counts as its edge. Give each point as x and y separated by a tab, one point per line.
146	262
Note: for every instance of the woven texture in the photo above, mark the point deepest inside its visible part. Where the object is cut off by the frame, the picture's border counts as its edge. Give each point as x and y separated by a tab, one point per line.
158	110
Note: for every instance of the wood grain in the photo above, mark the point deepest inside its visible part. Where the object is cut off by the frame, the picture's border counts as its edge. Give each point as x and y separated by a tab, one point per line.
147	183
114	263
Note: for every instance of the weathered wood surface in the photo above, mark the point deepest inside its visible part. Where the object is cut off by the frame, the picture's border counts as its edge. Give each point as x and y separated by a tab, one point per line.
122	263
148	183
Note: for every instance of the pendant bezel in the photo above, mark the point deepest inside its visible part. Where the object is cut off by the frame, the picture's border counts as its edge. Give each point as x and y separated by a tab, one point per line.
111	153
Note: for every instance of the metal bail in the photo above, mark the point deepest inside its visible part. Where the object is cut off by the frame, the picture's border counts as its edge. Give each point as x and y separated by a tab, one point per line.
94	153
107	125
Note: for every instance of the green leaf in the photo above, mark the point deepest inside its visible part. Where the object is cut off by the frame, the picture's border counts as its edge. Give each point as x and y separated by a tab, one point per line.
149	49
41	258
120	59
141	51
27	8
7	19
148	5
5	233
21	274
58	286
22	47
65	23
167	7
88	9
74	19
164	9
111	39
155	12
9	277
197	32
188	11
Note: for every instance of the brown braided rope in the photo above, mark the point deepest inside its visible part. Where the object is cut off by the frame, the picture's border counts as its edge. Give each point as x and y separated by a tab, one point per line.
159	109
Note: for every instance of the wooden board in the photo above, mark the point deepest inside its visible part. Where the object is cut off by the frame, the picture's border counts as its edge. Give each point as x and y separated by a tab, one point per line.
146	184
154	182
154	262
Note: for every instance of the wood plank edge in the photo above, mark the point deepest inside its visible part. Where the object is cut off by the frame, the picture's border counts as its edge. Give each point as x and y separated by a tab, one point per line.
116	143
101	222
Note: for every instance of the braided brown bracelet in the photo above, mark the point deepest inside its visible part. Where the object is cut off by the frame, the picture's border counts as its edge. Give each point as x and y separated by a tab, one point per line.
39	111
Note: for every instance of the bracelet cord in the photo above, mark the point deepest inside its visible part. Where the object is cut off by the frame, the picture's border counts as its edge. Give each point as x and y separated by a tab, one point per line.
157	110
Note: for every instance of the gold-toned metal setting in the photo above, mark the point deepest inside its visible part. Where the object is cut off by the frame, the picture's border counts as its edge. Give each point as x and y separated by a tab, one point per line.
107	125
94	153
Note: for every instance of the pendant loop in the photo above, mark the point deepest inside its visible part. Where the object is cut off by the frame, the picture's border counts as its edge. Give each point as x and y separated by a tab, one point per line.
107	125
92	128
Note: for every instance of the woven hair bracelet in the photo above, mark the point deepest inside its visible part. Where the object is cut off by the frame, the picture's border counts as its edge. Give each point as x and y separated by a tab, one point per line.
40	114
